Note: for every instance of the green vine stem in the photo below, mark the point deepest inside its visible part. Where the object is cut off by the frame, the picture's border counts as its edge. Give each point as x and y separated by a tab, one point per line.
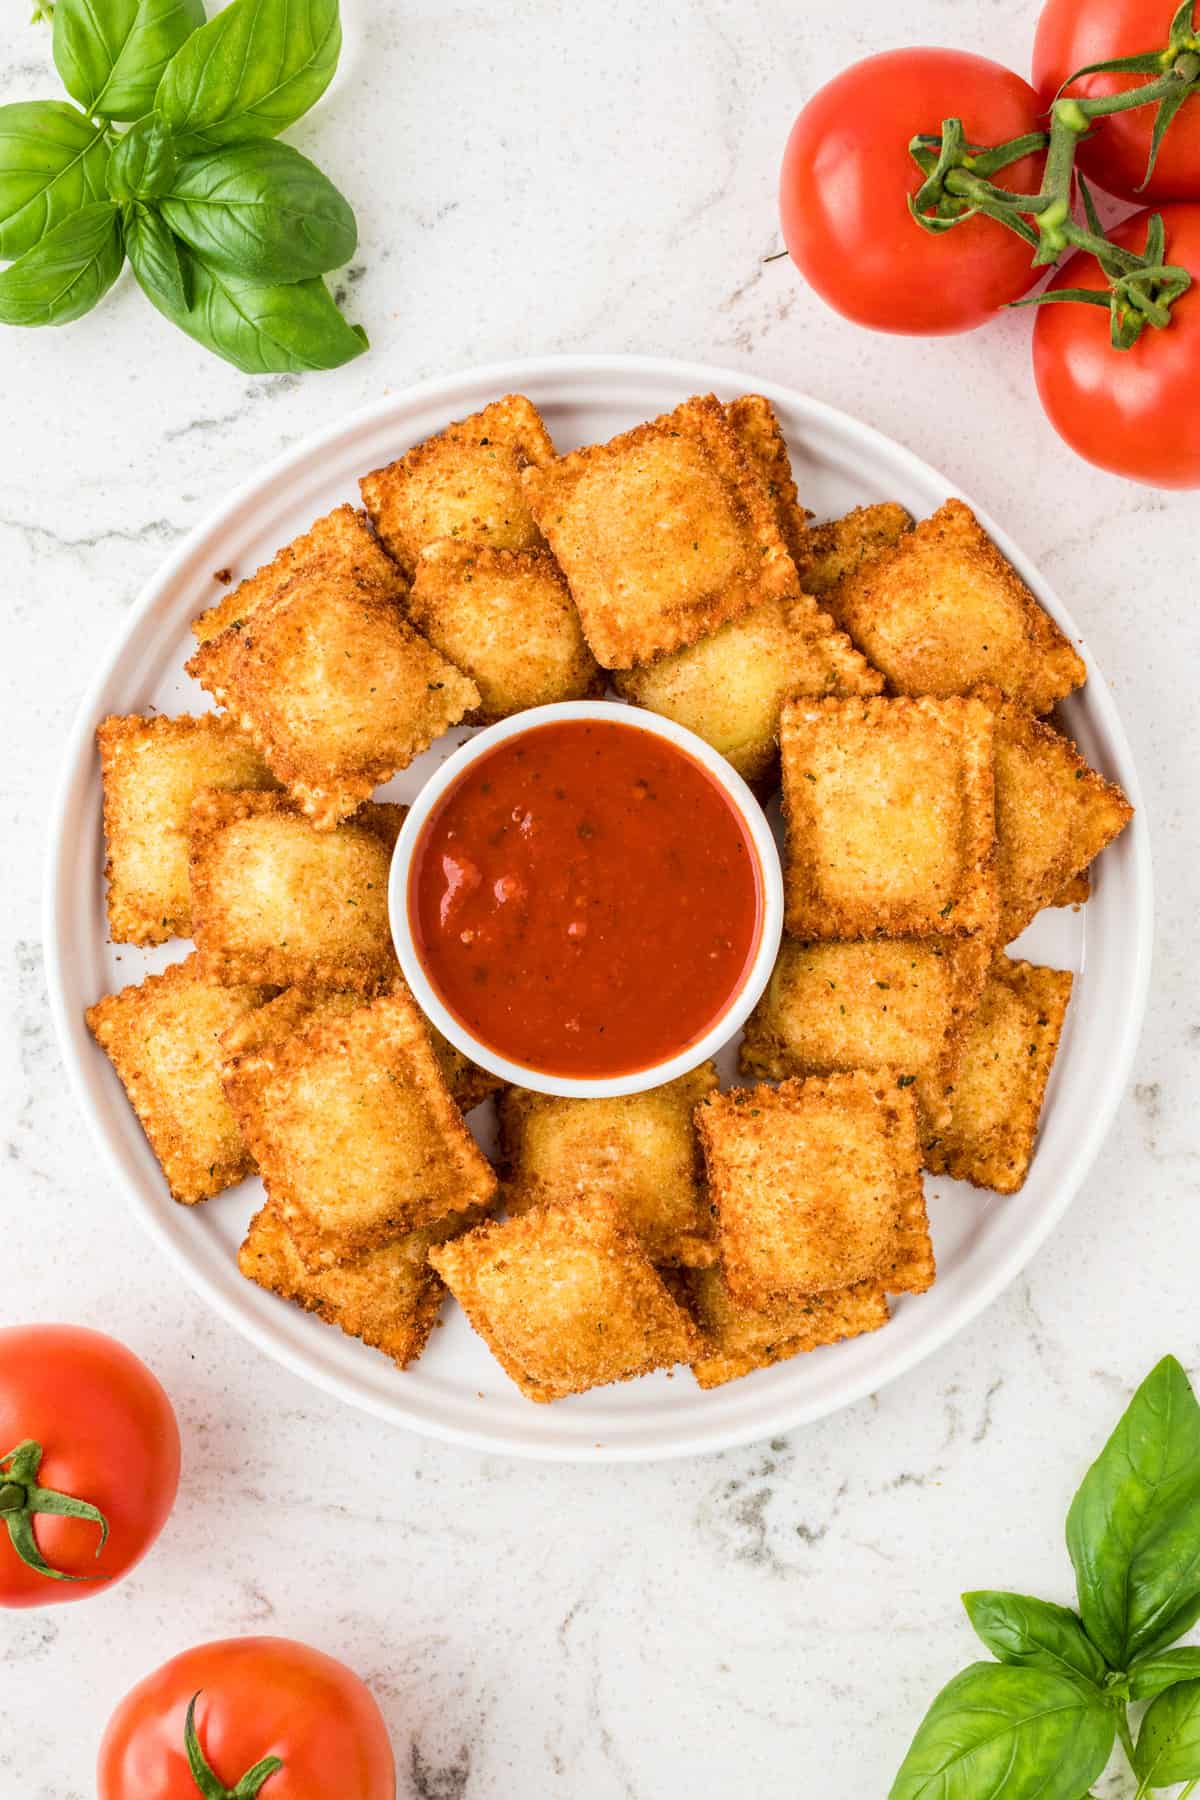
957	185
210	1784
21	1498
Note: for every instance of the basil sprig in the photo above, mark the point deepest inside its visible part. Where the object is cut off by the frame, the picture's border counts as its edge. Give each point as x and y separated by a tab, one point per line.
170	158
1040	1723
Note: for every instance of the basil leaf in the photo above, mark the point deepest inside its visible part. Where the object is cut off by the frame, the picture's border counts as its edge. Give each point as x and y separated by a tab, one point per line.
143	163
66	272
994	1731
1133	1530
263	328
111	53
1168	1745
1158	1672
252	71
263	211
155	260
1034	1634
52	162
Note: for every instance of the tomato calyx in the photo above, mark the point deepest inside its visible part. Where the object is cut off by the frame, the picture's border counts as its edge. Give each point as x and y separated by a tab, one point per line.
21	1497
1177	68
207	1781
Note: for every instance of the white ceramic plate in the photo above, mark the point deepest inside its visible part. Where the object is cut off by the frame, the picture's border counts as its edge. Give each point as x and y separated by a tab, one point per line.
456	1391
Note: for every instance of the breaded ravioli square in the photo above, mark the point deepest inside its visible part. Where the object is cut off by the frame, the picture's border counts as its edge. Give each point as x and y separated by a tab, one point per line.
566	1298
945	611
641	1149
162	1038
739	1339
389	1298
274	900
152	770
761	437
663	533
836	549
817	1186
1054	815
465	483
729	688
1002	1078
903	1004
342	541
506	618
335	687
354	1130
890	815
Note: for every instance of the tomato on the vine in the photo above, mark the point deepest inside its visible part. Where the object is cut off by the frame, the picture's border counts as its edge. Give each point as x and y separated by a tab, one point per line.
247	1716
848	176
1126	410
89	1462
1074	33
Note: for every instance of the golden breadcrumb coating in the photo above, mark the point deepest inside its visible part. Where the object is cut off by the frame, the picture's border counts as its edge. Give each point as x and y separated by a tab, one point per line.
834	550
664	533
465	483
162	1038
640	1148
1002	1078
890	817
761	437
152	770
507	619
343	541
944	611
740	1339
817	1186
566	1298
876	1003
274	900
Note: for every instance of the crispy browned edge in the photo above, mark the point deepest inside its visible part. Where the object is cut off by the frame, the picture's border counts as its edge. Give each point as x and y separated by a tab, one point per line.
213	811
241	600
1076	892
703	418
809	915
914	1269
754	421
326	796
454	1262
101	1022
834	549
834	1317
1046	991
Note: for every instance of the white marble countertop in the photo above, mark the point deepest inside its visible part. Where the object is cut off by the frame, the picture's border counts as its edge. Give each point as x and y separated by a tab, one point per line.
769	1622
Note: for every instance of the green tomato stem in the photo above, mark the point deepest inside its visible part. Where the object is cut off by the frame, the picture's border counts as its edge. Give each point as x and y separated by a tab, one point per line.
208	1783
21	1498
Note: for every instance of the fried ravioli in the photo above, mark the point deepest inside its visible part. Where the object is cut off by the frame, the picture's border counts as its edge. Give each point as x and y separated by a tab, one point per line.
335	688
836	549
342	541
355	1132
274	900
566	1298
740	1339
890	817
944	611
903	1004
817	1187
506	618
152	770
465	483
730	688
758	431
1002	1078
162	1038
663	533
1054	815
388	1298
641	1149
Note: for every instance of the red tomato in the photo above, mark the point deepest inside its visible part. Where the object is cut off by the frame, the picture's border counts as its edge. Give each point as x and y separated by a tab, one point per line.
107	1437
259	1697
1073	33
847	176
1131	411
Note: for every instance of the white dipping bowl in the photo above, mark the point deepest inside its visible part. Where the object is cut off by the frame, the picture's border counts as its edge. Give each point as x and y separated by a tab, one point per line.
744	805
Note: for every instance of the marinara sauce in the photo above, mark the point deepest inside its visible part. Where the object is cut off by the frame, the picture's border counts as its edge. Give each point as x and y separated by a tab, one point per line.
585	899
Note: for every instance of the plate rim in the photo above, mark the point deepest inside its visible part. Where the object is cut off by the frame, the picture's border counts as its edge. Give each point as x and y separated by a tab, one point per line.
507	375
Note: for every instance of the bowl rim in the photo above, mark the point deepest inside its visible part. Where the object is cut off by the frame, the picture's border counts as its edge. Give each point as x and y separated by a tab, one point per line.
743	998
